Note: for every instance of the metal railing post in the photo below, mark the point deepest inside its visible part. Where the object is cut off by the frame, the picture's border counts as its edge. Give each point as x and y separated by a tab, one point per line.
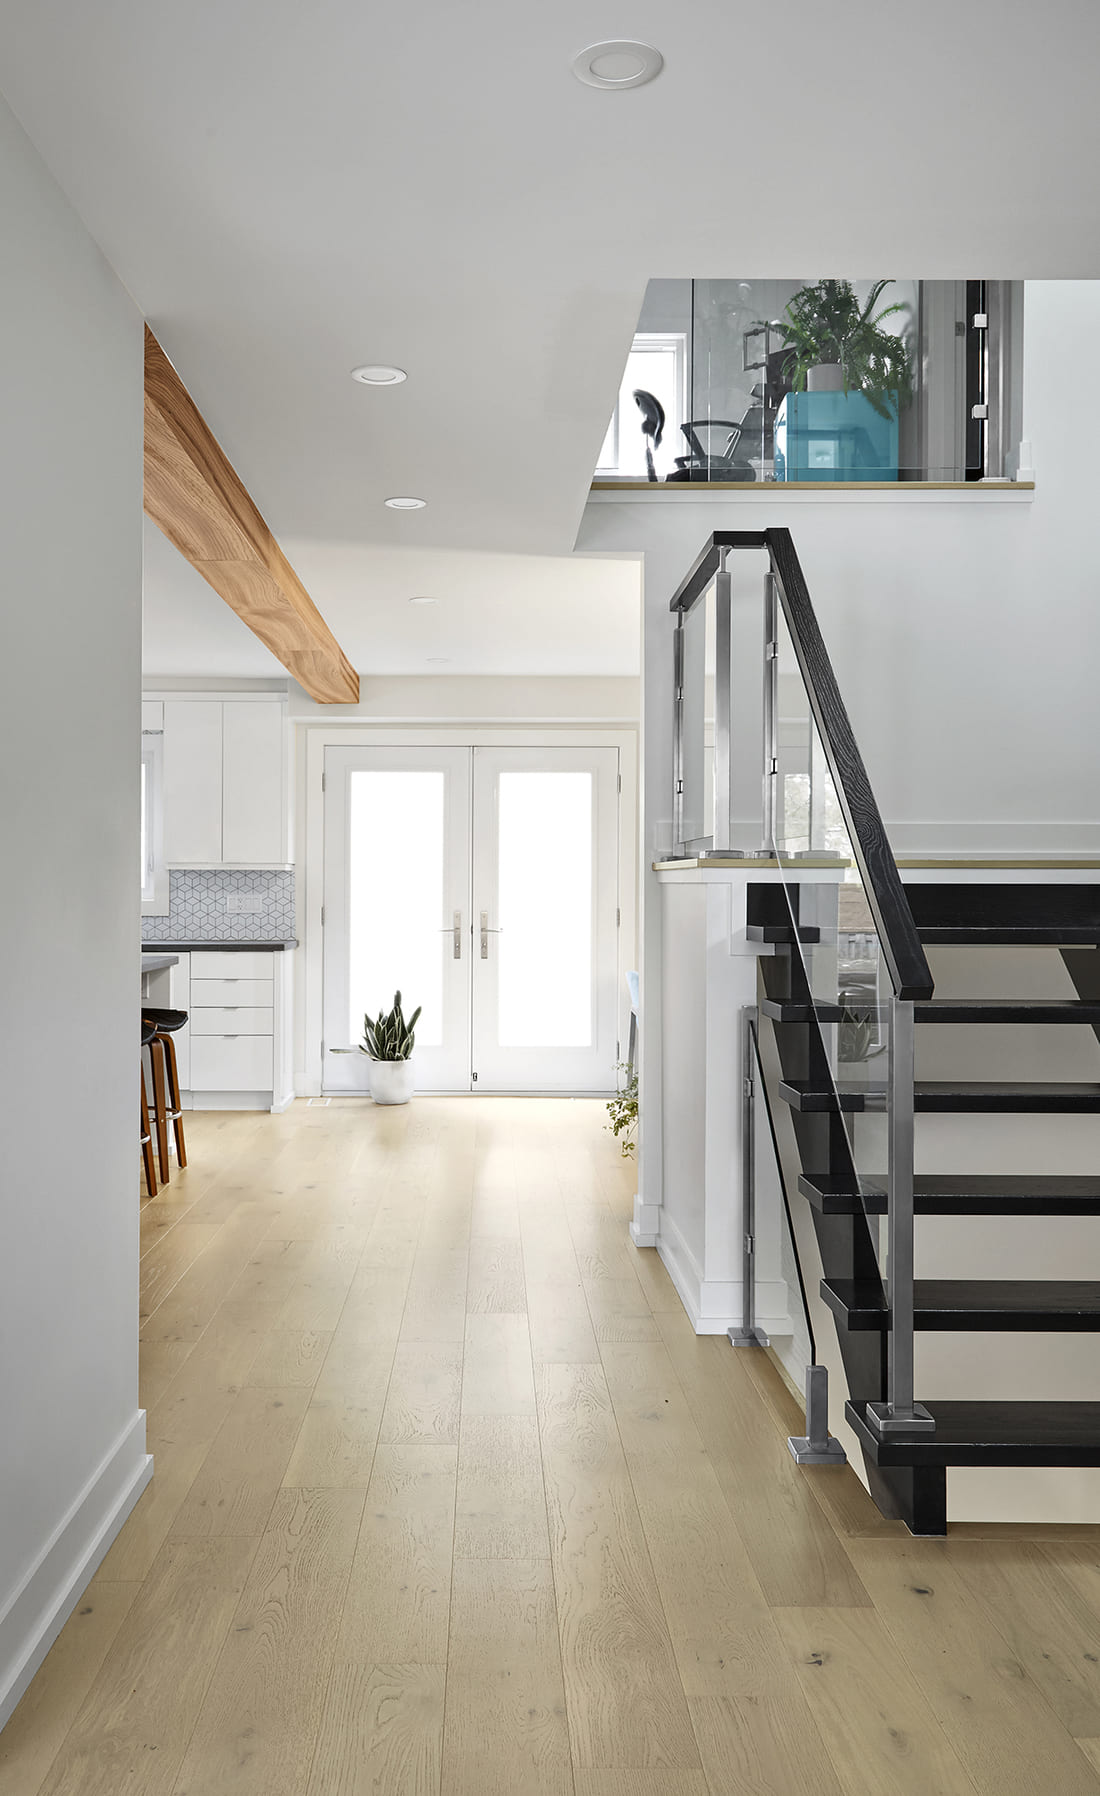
900	1412
748	1335
771	712
678	735
723	710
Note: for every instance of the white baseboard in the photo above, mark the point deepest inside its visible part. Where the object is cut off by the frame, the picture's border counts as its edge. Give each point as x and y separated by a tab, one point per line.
38	1609
712	1305
278	1105
645	1228
231	1100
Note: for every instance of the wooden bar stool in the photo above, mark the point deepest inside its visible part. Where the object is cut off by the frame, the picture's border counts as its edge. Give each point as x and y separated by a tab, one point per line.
147	1033
169	1110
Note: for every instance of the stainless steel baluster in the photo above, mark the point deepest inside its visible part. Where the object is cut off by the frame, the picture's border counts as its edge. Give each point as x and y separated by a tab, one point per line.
900	1413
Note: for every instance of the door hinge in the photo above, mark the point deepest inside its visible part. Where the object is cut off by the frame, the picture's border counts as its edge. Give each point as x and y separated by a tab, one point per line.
323	780
771	651
473	1078
618	782
750	1244
773	764
749	1087
679	787
618	919
322	916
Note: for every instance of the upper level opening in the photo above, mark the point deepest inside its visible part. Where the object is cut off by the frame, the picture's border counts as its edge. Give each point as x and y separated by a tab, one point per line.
827	381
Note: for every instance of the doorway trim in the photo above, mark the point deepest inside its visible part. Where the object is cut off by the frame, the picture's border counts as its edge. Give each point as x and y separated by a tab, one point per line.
313	739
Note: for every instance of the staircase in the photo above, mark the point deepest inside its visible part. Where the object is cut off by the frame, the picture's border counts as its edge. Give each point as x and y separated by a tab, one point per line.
907	1468
846	986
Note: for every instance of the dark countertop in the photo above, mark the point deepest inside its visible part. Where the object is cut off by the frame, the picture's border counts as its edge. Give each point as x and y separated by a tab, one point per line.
216	947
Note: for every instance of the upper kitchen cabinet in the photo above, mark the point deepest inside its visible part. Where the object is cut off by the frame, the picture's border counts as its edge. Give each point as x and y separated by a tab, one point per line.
225	782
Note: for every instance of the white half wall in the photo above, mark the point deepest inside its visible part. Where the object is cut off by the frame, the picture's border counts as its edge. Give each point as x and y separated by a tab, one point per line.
73	1437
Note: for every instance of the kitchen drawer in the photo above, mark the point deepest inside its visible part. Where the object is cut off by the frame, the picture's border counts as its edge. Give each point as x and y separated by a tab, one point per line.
231	1062
206	992
244	1019
243	963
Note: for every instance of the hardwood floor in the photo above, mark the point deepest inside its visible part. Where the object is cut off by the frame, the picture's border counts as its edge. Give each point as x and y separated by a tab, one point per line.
450	1501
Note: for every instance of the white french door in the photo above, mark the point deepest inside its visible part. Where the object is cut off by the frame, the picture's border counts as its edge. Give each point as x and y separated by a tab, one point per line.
483	884
545	893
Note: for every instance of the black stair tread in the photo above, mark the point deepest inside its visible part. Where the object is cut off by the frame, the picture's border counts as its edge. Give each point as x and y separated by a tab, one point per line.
997	935
1052	1306
971	1096
951	1010
989	1433
1008	1010
961	1194
781	932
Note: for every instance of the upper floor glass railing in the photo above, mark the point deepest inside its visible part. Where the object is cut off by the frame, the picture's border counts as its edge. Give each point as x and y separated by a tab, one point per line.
813	382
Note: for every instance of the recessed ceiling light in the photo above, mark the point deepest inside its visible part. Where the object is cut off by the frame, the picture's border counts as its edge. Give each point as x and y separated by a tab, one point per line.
406	504
419	600
618	64
378	374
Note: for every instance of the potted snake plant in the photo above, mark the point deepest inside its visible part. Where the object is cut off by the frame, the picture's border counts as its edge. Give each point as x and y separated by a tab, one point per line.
388	1041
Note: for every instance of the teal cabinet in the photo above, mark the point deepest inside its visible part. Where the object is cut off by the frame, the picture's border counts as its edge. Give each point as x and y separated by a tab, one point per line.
834	436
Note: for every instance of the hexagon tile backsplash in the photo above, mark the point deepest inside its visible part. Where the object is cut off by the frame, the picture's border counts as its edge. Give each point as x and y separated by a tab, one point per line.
197	910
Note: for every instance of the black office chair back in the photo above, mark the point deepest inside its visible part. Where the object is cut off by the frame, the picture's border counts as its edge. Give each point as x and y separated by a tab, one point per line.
653	425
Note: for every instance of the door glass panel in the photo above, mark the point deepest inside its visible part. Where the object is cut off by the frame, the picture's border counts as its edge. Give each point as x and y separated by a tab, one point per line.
545	914
395	897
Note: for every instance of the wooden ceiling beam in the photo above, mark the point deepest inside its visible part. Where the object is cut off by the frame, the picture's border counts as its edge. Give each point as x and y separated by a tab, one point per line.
193	494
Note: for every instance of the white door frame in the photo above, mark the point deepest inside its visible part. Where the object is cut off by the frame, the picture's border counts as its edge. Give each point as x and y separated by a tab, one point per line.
310	837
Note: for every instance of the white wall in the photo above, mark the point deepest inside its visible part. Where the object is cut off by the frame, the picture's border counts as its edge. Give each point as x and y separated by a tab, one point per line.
481	698
73	1438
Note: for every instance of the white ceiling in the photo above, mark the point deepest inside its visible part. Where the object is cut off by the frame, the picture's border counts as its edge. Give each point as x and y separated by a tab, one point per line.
291	189
495	614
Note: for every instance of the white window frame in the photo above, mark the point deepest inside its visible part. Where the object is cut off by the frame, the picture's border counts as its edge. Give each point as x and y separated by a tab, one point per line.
655	342
154	873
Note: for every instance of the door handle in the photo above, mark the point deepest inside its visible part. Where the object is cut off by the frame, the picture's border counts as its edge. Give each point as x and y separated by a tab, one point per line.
455	930
486	932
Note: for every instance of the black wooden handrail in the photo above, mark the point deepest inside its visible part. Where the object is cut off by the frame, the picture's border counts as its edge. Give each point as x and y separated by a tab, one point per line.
897	930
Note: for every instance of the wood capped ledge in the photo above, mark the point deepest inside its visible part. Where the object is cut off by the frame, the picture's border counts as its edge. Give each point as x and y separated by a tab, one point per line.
193	494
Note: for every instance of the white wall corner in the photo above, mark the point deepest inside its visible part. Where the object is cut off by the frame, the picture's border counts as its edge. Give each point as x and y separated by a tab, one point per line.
40	1606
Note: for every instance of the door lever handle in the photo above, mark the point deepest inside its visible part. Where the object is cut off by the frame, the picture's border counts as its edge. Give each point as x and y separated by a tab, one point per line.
486	932
455	930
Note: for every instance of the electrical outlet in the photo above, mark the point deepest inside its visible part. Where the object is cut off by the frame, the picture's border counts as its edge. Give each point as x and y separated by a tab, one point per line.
244	901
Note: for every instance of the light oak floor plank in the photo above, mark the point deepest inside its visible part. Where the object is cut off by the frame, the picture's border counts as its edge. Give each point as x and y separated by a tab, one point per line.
382	1732
398	1598
133	1727
33	1736
506	1728
257	1729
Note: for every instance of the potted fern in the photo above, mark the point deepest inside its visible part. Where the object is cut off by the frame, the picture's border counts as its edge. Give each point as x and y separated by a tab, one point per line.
850	378
388	1041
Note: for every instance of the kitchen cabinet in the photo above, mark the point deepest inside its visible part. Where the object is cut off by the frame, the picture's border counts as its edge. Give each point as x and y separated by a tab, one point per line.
225	782
192	781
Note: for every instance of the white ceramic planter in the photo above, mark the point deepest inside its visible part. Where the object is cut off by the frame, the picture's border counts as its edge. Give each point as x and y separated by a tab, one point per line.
827	377
391	1081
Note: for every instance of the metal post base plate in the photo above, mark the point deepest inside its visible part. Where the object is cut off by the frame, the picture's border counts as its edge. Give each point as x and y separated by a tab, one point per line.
747	1337
805	1454
918	1420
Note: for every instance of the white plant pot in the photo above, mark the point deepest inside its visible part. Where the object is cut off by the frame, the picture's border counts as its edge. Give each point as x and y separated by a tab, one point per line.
827	377
391	1081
